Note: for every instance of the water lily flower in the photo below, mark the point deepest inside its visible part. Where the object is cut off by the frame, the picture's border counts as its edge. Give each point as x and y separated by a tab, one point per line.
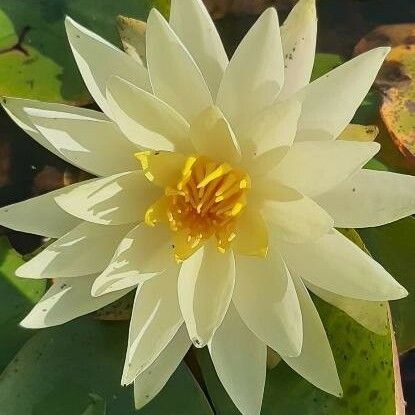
219	187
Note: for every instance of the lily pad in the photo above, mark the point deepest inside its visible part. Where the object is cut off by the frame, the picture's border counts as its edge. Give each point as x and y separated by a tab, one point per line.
75	369
17	298
392	245
35	57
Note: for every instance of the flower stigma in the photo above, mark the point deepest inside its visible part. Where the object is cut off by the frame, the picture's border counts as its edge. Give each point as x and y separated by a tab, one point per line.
205	201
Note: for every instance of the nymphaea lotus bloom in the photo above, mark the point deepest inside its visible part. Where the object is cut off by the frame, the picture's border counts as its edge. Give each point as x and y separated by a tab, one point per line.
220	185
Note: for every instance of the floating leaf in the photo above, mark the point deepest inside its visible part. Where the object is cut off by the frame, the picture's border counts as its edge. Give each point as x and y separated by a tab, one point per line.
35	58
75	368
325	62
18	296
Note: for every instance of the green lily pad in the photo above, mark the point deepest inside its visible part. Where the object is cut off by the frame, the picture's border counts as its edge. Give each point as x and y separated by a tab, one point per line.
35	57
18	296
325	62
75	369
364	362
392	246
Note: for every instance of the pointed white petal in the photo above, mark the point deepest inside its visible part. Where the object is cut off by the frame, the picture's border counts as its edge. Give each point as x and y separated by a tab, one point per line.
315	363
372	315
240	361
370	198
195	28
155	319
67	299
205	288
315	167
114	200
330	102
255	73
298	37
98	59
272	128
174	75
70	256
336	264
143	253
16	109
149	383
146	120
212	136
265	298
40	215
293	217
94	145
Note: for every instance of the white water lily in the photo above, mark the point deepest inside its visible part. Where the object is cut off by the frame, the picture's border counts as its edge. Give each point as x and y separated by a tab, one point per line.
220	185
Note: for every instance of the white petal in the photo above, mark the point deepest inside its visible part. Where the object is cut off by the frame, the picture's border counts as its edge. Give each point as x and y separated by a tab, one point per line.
174	75
96	146
39	215
293	217
315	167
195	28
71	256
149	383
265	298
67	299
315	363
145	119
114	200
16	109
330	102
372	315
255	73
370	198
155	319
98	59
272	128
143	253
205	288
336	264
212	136
240	360
298	37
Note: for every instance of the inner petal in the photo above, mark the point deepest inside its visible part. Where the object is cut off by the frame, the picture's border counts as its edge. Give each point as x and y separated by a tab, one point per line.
206	201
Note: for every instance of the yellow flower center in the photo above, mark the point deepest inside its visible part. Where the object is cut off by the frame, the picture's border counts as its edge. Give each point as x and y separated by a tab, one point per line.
206	201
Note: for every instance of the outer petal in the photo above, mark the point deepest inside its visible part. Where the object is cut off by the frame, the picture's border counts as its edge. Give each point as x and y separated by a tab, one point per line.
336	264
150	382
174	75
330	102
255	73
70	256
370	198
96	146
205	287
40	215
315	167
372	315
114	200
294	217
240	361
195	28
67	299
142	254
265	298
16	109
98	59
212	136
298	37
155	320
145	119
316	362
